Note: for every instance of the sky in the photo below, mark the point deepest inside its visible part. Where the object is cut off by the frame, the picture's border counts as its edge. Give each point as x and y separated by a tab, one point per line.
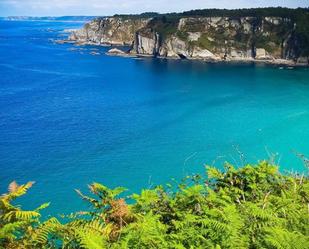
110	7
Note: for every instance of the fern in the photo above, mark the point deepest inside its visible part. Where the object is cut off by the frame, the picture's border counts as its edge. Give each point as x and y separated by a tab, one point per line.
250	207
46	230
279	238
21	215
91	240
10	230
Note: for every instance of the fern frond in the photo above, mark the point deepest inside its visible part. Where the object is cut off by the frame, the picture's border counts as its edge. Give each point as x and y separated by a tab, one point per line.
43	206
91	240
279	238
49	227
13	186
97	226
213	173
16	190
92	201
21	215
9	230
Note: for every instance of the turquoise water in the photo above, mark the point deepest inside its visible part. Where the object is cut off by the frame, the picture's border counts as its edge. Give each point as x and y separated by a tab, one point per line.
68	118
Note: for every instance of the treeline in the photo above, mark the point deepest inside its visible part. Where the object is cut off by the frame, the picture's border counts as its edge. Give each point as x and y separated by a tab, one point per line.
250	207
252	12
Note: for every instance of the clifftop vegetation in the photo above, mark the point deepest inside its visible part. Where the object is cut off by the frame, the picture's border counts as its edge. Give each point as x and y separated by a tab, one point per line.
253	12
250	207
166	24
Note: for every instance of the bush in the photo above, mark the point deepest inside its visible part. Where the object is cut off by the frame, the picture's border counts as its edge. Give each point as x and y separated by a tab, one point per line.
251	207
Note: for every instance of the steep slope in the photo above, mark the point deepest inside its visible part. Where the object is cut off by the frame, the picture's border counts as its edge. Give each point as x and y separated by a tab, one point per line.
210	37
112	30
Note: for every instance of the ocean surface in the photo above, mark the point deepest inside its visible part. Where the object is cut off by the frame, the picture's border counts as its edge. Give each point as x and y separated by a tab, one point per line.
69	118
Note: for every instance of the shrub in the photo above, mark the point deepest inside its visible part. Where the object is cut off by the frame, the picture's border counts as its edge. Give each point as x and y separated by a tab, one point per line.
250	207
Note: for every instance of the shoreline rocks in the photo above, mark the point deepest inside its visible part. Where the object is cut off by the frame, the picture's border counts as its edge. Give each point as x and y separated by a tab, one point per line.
278	62
216	39
118	52
207	57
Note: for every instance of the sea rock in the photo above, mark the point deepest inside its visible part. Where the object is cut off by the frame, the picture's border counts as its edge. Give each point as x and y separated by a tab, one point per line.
61	41
116	51
94	53
69	30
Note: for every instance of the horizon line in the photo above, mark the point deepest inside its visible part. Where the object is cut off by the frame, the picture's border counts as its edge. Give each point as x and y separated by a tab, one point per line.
161	13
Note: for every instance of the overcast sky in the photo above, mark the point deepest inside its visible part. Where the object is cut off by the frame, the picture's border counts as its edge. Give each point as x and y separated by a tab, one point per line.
109	7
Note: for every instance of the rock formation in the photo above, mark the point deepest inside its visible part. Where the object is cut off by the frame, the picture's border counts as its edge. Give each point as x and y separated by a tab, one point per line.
114	31
207	38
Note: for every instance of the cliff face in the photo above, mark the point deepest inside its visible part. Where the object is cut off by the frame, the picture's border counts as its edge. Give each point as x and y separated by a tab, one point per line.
115	31
215	38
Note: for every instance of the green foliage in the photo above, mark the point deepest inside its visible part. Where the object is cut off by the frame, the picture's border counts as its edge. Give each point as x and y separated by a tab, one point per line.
18	227
254	206
302	31
182	35
166	25
204	42
254	12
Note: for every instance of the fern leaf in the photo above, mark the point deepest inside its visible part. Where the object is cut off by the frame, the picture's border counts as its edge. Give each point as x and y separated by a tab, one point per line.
21	215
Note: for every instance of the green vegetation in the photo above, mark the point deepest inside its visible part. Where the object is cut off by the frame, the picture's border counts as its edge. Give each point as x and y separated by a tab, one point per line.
163	25
204	42
253	12
182	35
250	207
264	42
302	31
166	24
243	40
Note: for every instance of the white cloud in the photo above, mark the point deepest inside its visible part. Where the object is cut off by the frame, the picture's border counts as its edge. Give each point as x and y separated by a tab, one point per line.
108	7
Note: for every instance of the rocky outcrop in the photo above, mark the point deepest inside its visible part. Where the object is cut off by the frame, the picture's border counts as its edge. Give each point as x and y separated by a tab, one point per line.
238	38
116	51
207	38
112	30
177	48
146	43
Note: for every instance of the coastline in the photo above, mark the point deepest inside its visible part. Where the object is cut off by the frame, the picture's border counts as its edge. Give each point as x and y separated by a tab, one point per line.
121	53
232	37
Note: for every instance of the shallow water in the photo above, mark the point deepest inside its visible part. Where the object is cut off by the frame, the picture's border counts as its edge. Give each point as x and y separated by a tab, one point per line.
68	118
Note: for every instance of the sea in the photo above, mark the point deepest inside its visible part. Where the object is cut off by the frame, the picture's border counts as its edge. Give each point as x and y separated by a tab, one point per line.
71	115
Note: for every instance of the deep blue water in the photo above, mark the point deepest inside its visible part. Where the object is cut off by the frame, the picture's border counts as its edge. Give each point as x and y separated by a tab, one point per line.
68	118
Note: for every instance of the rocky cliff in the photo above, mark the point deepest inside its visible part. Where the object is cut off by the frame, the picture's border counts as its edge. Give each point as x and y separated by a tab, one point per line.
113	31
209	38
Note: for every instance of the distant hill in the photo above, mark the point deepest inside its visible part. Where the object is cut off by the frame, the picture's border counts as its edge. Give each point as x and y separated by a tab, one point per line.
49	18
